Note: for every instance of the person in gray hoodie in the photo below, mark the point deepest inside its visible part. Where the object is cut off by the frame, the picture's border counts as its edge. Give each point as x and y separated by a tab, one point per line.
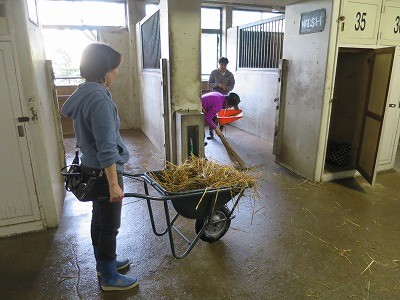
96	125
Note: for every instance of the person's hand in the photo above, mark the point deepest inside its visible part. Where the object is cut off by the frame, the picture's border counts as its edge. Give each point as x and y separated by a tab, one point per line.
218	132
116	193
222	86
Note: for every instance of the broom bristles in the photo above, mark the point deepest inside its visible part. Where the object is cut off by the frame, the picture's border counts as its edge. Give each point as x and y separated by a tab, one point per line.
233	155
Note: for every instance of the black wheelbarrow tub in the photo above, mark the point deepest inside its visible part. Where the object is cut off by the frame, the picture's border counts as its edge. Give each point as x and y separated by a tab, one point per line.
186	203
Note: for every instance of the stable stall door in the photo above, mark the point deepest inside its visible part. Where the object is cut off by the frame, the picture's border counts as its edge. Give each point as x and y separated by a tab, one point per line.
18	202
375	109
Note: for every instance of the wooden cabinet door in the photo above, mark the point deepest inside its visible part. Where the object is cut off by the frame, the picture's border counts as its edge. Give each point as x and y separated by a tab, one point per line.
389	29
381	69
359	22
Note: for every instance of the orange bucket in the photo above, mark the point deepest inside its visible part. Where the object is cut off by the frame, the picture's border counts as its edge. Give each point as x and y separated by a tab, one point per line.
227	116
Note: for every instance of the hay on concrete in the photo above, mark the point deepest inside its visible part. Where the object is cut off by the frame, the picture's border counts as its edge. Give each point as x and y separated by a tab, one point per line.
199	173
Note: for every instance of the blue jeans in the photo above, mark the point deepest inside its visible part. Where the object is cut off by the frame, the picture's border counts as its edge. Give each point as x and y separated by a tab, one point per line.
106	220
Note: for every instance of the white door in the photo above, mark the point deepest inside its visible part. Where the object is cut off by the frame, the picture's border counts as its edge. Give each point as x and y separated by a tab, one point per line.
390	23
375	110
18	201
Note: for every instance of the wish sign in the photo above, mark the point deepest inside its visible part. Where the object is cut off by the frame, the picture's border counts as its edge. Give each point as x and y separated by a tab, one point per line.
313	21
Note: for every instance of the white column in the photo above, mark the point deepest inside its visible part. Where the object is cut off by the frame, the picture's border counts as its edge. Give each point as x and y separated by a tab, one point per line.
136	10
226	23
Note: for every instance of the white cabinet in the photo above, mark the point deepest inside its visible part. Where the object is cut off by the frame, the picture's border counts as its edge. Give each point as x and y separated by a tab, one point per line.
369	22
390	23
359	21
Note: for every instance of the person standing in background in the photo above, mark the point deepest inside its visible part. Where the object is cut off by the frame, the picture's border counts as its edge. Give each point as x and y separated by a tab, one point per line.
222	80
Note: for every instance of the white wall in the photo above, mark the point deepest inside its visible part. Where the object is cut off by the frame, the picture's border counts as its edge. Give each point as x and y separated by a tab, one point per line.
121	89
152	109
180	45
151	99
257	91
307	65
136	12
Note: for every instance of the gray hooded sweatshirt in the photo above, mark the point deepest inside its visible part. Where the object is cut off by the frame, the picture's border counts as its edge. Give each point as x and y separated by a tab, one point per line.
96	124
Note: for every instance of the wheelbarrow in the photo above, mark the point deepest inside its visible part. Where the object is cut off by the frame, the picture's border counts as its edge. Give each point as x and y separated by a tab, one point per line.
206	206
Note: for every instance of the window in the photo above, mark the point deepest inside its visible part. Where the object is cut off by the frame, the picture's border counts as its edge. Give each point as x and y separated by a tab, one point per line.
242	17
151	46
260	44
210	39
69	26
64	48
210	18
82	13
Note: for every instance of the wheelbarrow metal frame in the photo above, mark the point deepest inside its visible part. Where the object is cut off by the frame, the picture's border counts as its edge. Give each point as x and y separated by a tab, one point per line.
173	197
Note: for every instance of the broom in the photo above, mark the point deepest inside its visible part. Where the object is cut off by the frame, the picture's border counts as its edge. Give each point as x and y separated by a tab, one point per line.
240	164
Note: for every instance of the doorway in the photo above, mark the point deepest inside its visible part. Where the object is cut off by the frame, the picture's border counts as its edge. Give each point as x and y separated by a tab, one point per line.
358	106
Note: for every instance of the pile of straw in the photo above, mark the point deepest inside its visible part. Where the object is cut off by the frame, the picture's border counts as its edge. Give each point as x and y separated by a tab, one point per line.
239	163
199	173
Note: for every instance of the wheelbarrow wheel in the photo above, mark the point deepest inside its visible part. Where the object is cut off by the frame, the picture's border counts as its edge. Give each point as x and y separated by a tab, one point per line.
213	232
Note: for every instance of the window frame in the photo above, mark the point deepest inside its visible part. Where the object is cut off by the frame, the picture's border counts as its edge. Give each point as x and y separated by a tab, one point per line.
258	10
218	32
90	27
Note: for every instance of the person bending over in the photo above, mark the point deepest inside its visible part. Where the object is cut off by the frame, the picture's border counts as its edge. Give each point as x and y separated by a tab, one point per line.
212	103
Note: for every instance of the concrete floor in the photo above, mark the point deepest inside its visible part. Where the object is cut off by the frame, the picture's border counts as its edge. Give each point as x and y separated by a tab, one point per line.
299	240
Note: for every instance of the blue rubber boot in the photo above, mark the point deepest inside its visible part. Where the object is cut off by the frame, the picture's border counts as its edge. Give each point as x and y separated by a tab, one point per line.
111	280
119	264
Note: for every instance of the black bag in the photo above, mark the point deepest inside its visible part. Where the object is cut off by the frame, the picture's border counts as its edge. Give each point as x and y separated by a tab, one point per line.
82	185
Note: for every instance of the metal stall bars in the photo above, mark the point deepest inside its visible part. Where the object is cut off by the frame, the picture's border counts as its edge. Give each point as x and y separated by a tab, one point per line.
260	44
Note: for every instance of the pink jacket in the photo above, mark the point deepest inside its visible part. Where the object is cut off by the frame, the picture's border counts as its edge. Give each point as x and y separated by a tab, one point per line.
212	103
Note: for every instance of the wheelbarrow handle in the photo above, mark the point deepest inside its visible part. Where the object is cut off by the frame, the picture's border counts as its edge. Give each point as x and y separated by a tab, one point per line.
143	196
130	175
161	198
